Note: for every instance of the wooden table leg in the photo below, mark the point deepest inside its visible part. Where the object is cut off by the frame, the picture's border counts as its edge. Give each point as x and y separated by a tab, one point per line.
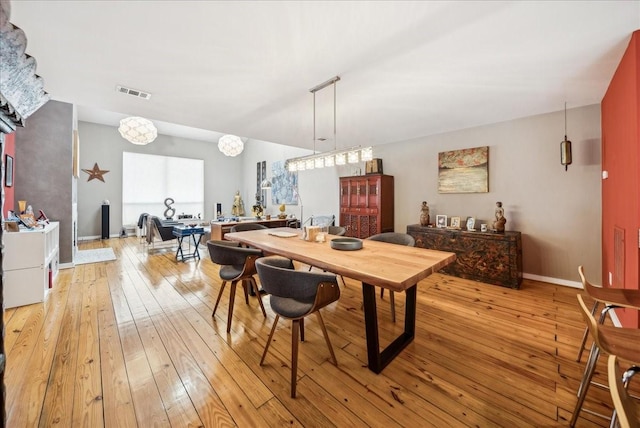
378	360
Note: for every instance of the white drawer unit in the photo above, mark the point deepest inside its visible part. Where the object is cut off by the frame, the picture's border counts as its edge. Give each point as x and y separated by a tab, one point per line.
30	263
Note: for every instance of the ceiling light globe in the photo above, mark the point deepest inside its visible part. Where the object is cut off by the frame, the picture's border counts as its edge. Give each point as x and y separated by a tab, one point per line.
137	130
230	145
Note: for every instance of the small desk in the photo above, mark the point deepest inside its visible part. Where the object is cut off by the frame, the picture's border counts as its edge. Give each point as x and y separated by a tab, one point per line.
381	264
182	232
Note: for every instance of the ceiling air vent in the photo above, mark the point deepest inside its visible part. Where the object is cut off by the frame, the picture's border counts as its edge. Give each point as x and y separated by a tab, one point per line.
134	92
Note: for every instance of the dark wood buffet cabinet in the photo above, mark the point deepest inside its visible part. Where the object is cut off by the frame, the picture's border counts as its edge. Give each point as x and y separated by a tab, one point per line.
494	258
366	204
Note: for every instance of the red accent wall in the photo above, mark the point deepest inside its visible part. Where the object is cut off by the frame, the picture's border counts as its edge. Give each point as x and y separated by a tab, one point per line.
9	149
621	159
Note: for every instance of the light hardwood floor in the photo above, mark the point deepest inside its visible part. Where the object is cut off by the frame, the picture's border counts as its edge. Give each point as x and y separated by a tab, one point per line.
132	343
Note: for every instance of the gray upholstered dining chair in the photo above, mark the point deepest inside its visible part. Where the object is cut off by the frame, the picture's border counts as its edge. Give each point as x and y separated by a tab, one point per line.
236	264
295	294
337	230
398	239
243	227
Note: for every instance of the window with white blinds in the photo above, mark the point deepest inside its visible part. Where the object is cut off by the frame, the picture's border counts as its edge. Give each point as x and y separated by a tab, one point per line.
147	180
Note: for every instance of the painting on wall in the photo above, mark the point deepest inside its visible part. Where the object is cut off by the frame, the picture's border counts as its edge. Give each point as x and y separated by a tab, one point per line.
261	174
464	171
284	189
8	171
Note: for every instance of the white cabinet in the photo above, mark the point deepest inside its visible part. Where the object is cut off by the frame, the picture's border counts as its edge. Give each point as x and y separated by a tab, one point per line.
30	263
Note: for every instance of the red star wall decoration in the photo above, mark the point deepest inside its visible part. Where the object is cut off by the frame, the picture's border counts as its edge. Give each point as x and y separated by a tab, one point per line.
96	172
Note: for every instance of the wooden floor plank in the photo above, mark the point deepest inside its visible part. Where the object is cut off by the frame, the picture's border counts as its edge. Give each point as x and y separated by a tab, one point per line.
131	342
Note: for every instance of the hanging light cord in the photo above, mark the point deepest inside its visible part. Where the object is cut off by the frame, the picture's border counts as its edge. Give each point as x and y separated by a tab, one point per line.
565	121
335	141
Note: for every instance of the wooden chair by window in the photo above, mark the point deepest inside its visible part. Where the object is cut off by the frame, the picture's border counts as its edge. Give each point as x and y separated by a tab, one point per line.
398	239
236	264
295	294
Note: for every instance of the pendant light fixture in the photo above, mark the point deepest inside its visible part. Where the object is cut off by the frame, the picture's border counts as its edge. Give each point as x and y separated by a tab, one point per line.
138	130
565	146
230	145
334	157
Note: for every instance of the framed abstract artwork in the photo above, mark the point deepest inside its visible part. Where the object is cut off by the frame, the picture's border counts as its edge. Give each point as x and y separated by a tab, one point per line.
464	171
8	171
284	185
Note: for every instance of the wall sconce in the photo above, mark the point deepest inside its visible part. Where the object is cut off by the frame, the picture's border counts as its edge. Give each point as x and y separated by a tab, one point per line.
565	146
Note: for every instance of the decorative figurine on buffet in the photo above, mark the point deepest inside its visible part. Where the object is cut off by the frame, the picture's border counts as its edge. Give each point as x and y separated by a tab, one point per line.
237	209
282	214
424	214
498	225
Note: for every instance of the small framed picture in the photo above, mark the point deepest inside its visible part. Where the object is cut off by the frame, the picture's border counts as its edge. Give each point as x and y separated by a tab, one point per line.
471	223
455	222
441	220
8	171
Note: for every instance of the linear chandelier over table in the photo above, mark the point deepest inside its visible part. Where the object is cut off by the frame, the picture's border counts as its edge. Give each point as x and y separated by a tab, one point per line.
332	158
329	159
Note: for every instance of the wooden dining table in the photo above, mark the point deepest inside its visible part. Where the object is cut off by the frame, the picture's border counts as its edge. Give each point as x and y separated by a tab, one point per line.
377	264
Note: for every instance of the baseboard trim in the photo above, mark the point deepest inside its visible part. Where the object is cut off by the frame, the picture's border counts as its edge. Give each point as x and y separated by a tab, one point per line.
550	280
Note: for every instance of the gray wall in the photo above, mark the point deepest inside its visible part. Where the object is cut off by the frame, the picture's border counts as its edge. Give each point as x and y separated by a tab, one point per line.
43	168
557	212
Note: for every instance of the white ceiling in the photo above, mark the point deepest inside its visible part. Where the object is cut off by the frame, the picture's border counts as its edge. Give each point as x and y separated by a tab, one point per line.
407	69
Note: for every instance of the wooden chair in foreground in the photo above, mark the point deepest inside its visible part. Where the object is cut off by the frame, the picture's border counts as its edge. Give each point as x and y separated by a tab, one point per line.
295	294
627	408
623	342
610	297
236	264
398	239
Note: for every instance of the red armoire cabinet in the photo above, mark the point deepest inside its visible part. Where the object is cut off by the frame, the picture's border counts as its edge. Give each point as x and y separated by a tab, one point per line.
366	204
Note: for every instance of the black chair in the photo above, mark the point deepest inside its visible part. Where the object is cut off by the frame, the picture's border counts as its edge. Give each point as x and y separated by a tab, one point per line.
398	239
160	229
236	264
142	225
243	227
294	294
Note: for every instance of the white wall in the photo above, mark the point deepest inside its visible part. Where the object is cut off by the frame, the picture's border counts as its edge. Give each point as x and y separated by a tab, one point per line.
104	145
